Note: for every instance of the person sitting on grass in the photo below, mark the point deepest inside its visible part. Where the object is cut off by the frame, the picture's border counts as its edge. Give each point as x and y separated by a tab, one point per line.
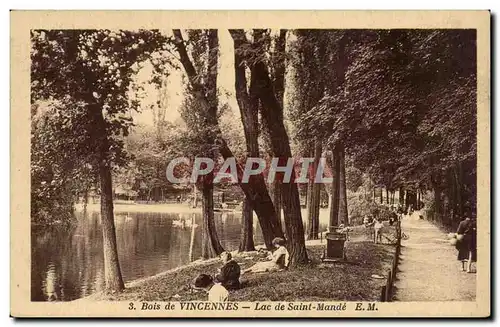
216	292
229	273
278	260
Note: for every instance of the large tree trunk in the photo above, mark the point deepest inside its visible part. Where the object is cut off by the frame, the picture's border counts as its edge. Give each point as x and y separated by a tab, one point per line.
381	195
279	88
211	244
246	241
248	103
255	191
313	212
271	111
386	195
276	194
343	214
112	272
335	194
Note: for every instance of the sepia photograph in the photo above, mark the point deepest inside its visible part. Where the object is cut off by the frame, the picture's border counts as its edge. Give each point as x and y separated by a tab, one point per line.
274	170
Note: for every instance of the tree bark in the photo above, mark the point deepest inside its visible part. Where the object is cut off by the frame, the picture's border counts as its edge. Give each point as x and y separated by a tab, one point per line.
335	194
112	272
211	244
276	194
279	87
271	111
255	191
343	214
309	205
314	201
246	241
248	103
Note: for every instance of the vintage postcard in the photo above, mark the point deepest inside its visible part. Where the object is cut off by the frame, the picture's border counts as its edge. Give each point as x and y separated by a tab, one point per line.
250	164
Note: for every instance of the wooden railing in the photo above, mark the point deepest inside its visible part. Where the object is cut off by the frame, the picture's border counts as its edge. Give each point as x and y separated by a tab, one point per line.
387	290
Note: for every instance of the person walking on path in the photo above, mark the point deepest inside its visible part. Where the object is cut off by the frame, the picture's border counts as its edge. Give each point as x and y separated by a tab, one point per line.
378	226
466	243
428	270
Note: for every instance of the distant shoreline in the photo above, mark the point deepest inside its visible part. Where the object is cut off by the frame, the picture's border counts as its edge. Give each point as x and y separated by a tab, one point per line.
133	207
156	208
159	208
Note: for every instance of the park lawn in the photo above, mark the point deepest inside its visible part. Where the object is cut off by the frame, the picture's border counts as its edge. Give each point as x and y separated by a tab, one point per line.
350	281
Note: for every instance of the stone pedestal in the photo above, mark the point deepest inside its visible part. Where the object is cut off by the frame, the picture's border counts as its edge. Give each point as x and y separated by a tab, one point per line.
335	245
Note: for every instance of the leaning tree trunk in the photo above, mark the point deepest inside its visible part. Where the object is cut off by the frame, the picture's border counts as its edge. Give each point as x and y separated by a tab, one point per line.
271	111
255	192
343	214
112	272
246	241
258	197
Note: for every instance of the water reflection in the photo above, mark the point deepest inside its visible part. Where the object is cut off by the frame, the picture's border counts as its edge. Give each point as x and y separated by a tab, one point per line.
68	263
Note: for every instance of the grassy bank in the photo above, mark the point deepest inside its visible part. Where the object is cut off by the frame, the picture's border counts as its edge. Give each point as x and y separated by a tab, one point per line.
348	281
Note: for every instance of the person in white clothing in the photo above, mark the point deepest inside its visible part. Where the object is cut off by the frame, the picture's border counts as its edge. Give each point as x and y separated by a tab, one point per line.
278	260
216	292
378	230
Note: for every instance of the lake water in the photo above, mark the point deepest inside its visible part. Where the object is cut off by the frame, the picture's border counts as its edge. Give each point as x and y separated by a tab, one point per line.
68	263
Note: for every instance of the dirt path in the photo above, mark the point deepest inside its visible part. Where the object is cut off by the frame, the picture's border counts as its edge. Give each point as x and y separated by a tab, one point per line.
429	270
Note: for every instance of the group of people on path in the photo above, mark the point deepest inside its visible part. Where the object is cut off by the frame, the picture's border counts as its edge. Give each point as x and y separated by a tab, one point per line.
378	225
228	276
